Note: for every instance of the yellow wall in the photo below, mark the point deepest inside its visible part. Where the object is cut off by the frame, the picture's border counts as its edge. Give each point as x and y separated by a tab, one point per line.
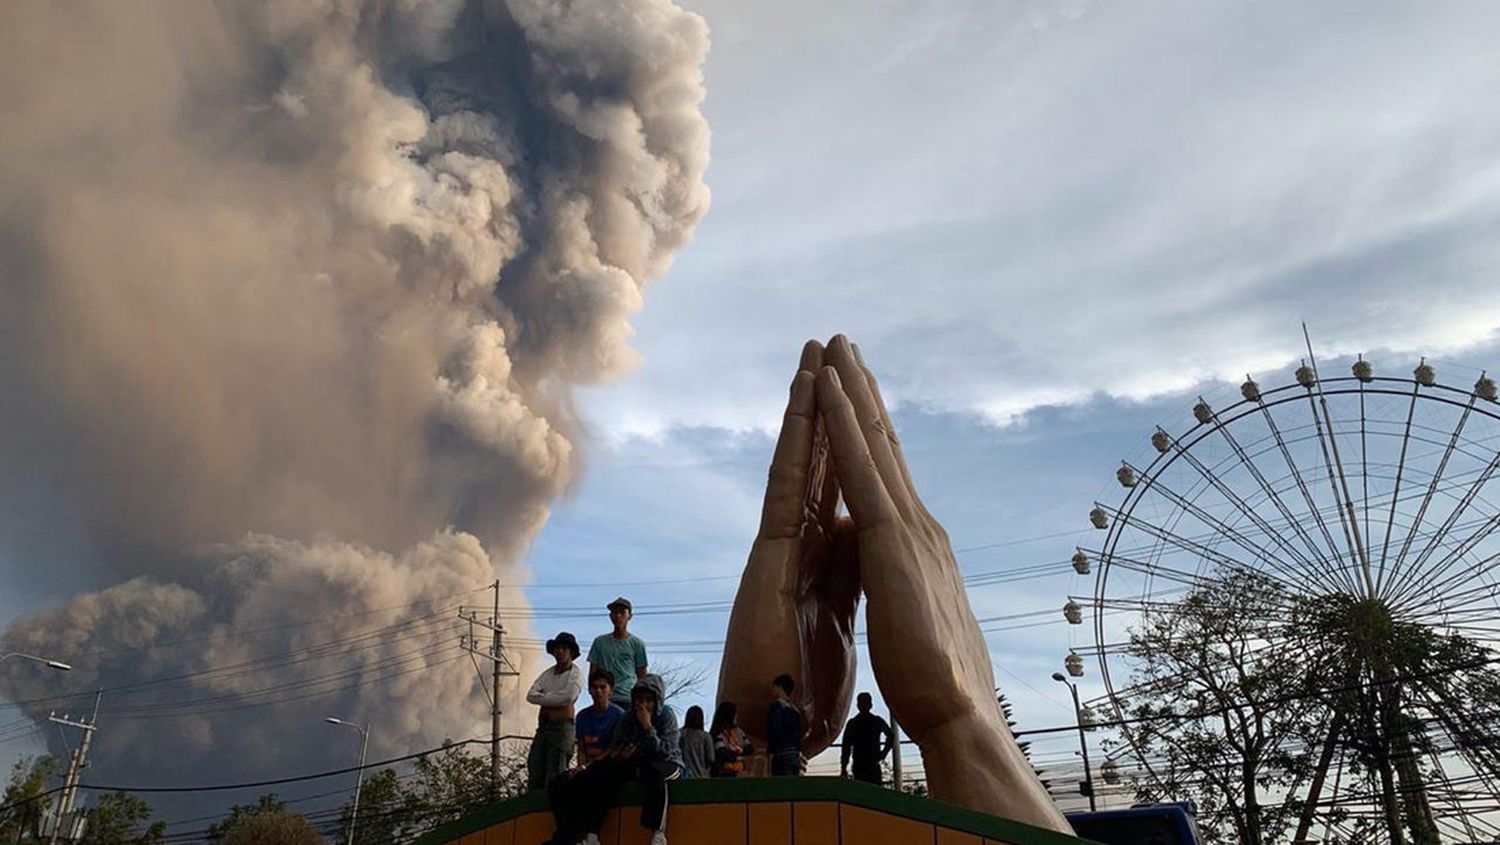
770	823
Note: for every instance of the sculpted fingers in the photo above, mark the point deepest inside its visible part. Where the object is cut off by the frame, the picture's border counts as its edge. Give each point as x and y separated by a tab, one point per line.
873	422
863	487
791	465
812	356
890	428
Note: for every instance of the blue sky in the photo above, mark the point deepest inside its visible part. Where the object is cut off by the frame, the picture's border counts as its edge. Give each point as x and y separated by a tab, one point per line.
1050	225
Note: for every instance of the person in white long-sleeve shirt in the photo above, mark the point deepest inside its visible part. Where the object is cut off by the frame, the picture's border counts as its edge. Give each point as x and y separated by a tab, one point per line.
555	692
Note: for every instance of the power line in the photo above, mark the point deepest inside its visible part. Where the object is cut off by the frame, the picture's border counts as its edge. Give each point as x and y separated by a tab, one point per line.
226	787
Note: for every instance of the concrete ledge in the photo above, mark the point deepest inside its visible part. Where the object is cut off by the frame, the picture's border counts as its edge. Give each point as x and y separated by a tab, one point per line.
761	811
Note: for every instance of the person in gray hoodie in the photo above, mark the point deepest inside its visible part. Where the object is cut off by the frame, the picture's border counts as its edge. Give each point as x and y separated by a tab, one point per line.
645	747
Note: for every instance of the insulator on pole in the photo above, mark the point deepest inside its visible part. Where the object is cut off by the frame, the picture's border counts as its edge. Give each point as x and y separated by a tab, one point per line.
1425	374
1161	441
1073	612
1074	664
1099	518
1363	371
1250	390
1080	562
1202	412
1125	475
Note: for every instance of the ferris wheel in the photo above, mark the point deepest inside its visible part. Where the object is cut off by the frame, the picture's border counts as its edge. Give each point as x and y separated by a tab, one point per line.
1318	561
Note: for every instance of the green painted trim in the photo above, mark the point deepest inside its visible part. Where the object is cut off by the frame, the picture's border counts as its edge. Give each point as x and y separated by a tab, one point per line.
760	790
487	816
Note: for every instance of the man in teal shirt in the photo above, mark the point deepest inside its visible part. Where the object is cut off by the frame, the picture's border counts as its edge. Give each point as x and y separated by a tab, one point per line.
621	652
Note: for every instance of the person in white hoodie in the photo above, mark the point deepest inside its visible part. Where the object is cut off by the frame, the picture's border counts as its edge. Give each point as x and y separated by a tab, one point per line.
555	692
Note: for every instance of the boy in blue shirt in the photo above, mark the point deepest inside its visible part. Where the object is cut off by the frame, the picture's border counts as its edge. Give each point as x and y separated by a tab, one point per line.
596	724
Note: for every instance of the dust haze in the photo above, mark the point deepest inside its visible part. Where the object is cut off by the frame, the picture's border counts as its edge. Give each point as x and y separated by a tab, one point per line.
292	299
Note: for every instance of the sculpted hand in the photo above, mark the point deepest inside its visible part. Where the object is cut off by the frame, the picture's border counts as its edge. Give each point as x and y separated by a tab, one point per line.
928	654
794	611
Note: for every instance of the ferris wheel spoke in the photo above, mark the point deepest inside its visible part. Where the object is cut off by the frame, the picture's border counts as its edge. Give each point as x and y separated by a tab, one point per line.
1306	568
1480	749
1189	579
1188	545
1485	591
1423	574
1399	578
1270	491
1455	800
1470	620
1440	587
1364	473
1385	545
1337	482
1307	497
1223	528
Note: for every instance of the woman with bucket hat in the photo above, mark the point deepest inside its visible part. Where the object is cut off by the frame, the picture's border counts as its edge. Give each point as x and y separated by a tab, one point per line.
555	691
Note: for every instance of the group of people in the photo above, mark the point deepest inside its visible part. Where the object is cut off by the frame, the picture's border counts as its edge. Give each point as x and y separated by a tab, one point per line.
629	733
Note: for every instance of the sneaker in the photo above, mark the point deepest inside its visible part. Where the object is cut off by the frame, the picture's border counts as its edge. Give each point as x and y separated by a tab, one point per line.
659	838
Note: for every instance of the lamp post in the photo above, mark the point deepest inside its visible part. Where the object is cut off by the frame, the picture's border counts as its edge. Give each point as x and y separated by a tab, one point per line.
1083	743
51	664
364	732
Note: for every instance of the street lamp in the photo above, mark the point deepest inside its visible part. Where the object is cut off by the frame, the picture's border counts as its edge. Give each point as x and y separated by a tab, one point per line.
364	732
1083	743
52	664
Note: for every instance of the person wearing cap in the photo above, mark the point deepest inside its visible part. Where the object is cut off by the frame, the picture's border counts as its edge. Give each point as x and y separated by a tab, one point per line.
644	747
554	691
619	651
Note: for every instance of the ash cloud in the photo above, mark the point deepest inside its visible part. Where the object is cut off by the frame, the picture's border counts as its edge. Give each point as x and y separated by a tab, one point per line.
294	295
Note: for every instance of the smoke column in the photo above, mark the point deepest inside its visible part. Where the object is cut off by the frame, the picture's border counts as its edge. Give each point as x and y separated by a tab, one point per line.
292	298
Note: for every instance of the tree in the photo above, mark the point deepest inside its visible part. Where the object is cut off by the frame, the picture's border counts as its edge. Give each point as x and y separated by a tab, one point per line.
274	828
1219	710
266	822
1391	674
443	786
117	819
680	677
24	797
1023	744
382	812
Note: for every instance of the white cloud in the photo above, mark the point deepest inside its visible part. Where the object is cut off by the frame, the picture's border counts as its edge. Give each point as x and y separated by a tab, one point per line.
1014	205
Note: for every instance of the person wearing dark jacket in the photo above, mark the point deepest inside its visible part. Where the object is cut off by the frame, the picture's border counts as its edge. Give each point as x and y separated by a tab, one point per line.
867	738
645	747
784	730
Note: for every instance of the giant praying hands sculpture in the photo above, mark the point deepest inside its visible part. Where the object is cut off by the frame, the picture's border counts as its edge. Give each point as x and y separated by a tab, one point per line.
801	587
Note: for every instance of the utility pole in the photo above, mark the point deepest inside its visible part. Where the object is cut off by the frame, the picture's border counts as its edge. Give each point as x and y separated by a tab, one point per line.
1087	787
500	666
77	762
495	695
364	748
895	753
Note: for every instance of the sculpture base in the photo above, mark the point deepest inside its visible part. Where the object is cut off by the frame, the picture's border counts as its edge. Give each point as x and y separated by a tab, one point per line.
761	811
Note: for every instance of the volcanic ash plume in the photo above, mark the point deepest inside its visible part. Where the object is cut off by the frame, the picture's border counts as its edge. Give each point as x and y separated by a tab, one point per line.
293	297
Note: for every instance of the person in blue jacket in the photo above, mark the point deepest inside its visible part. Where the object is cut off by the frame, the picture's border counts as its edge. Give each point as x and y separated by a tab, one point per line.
645	747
